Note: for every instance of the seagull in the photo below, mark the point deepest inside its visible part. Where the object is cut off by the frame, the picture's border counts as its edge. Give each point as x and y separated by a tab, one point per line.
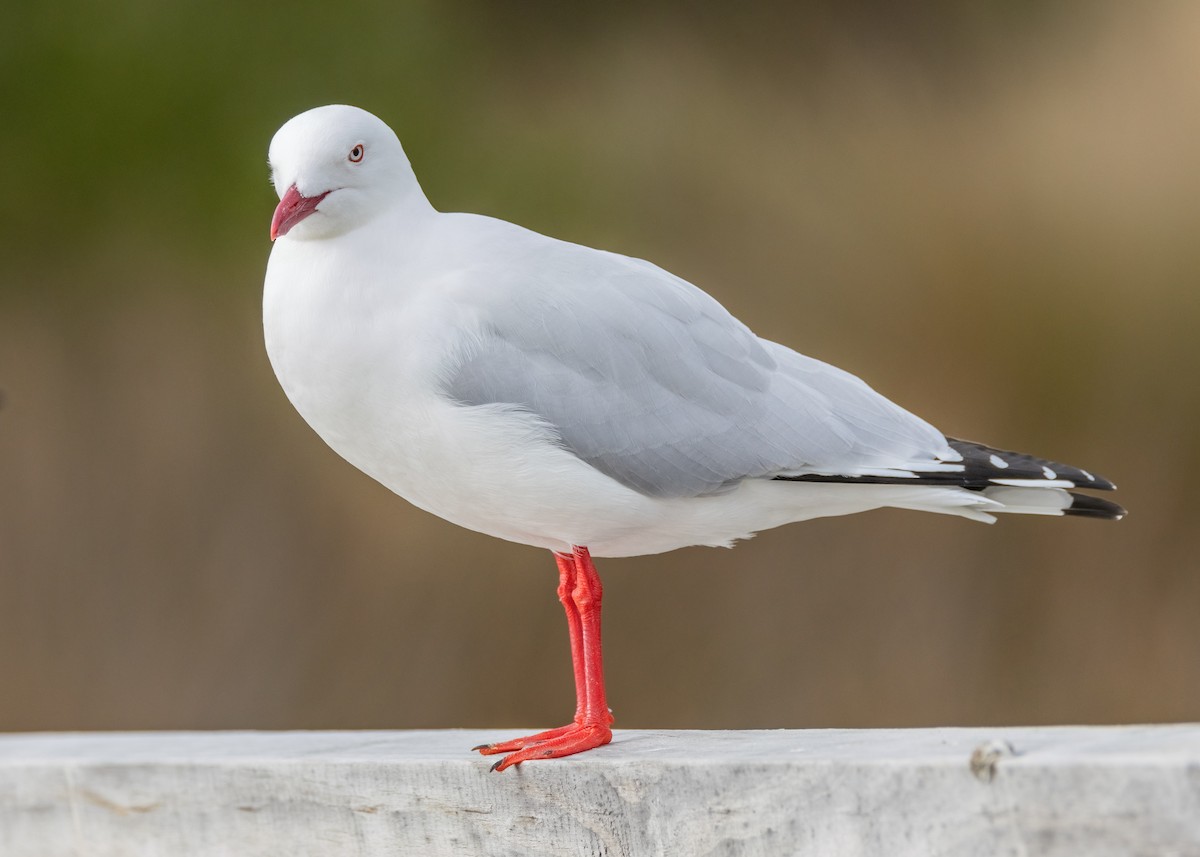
574	399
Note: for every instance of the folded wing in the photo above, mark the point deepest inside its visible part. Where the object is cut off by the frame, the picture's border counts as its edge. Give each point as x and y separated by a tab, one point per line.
652	382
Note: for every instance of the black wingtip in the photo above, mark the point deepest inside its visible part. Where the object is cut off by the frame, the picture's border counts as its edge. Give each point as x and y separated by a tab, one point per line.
985	464
1086	506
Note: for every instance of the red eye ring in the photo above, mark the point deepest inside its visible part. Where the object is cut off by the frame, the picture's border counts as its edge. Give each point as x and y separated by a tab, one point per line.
356	154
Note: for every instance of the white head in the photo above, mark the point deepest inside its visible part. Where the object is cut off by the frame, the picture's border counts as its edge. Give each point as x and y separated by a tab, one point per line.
334	169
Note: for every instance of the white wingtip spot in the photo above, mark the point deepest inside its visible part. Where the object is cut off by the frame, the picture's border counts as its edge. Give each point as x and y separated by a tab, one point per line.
1034	483
1048	473
997	461
1090	477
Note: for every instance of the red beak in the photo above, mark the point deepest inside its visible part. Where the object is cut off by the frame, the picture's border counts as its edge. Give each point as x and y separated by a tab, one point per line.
293	208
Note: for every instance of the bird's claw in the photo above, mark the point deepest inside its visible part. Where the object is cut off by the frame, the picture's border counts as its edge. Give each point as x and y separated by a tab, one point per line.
522	743
551	744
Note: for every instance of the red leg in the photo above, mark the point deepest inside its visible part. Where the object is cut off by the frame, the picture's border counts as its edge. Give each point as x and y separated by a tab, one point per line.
581	593
567	581
587	595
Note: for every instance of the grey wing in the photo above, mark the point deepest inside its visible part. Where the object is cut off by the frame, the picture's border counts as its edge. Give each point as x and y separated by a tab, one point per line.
652	382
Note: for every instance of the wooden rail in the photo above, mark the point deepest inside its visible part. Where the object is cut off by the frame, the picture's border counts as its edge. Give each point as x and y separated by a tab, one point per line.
1093	791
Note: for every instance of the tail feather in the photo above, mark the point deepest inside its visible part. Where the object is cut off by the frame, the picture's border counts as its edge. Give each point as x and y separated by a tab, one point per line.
1050	501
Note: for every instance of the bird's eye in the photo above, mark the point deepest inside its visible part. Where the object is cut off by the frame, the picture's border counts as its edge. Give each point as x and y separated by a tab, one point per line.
356	154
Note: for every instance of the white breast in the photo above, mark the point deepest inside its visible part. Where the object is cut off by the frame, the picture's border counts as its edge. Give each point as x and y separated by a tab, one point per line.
367	379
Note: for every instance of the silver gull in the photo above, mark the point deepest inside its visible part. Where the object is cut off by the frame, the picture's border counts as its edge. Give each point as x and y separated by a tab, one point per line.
575	399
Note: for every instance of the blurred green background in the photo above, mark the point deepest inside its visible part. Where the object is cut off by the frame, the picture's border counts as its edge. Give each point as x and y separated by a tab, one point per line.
987	209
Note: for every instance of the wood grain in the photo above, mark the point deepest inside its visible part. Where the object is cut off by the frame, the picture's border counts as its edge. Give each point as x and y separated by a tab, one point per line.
1098	791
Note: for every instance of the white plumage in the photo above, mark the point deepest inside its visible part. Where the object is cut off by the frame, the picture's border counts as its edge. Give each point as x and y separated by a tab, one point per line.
556	395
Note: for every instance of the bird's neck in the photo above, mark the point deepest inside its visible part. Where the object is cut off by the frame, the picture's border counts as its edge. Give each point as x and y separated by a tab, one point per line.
407	207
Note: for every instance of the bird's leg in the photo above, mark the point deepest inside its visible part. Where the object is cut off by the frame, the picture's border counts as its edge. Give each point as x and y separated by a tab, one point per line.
580	591
567	580
587	597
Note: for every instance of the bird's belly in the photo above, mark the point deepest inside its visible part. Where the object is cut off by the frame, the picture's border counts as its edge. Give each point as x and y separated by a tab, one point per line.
492	469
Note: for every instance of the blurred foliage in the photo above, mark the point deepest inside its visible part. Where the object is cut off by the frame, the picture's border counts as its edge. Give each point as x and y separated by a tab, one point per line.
986	209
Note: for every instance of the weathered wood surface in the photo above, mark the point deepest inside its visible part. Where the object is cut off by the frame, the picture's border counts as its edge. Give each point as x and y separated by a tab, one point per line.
1091	791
